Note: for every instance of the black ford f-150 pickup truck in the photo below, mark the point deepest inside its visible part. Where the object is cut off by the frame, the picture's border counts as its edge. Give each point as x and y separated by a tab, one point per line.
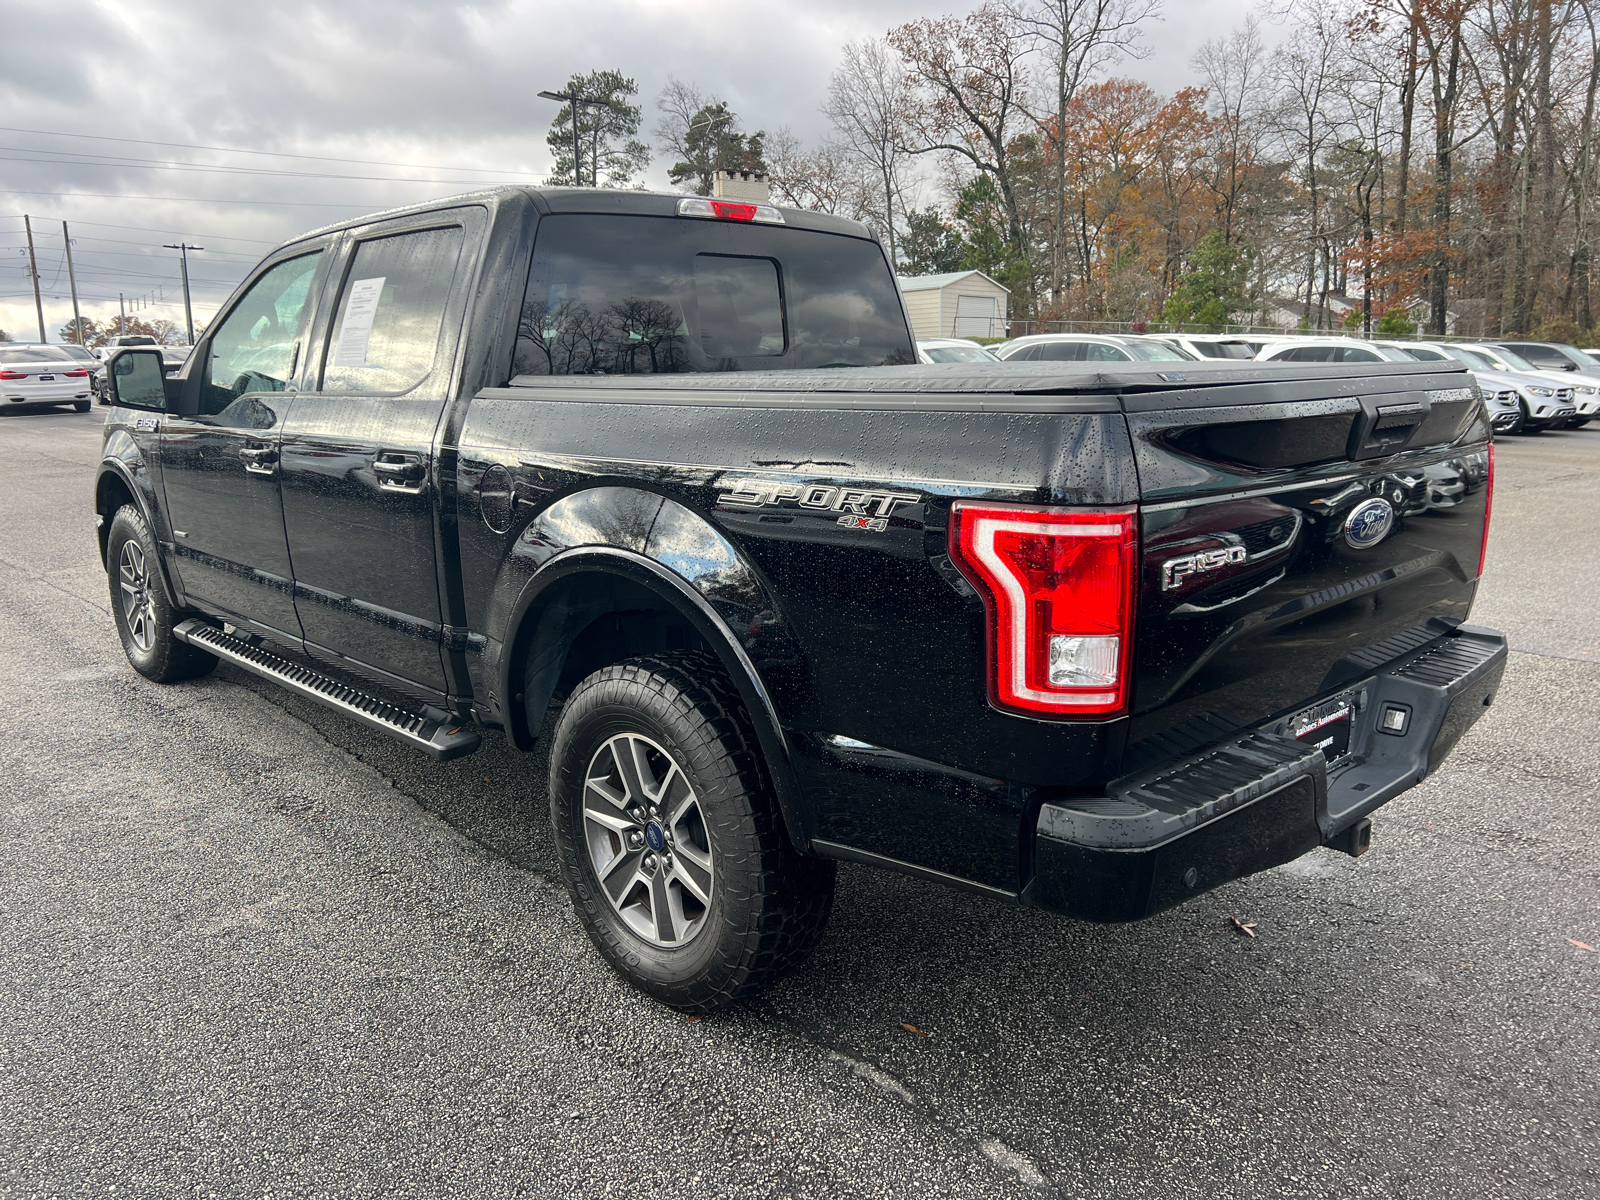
656	478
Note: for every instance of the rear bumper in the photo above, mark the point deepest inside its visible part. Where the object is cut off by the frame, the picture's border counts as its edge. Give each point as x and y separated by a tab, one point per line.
1264	798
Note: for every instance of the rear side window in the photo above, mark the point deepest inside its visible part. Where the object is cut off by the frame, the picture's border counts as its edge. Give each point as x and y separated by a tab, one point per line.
1421	355
1158	352
621	295
391	311
1543	357
1357	354
1058	352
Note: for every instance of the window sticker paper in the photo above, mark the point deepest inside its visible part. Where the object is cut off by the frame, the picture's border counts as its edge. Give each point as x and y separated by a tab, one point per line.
355	331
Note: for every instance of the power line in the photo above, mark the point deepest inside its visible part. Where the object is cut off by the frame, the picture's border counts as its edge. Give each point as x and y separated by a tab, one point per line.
364	162
148	229
156	164
185	199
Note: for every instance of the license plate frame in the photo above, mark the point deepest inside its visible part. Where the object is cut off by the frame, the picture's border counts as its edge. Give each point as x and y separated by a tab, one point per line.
1331	733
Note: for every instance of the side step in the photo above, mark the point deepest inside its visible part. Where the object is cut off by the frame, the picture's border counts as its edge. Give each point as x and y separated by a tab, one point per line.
432	732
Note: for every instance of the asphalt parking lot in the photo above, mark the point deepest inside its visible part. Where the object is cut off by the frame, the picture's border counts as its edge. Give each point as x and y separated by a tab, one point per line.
250	949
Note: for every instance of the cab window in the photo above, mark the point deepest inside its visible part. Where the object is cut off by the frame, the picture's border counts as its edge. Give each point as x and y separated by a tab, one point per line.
391	312
257	346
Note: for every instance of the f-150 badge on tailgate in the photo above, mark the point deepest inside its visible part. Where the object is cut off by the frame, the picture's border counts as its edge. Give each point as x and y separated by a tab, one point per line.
1175	570
858	508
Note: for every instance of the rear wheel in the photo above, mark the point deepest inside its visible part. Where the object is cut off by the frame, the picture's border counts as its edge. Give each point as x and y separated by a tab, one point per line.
669	837
140	607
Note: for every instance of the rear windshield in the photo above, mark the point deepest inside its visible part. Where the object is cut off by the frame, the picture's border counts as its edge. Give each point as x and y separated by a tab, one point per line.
622	295
33	354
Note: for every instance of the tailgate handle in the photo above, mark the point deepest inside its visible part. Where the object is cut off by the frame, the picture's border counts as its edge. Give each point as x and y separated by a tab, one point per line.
1385	427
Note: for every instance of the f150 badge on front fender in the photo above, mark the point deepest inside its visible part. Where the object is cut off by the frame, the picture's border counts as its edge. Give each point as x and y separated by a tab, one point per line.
858	508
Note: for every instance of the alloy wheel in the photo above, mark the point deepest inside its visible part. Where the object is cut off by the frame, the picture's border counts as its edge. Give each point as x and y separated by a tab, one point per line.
138	602
647	840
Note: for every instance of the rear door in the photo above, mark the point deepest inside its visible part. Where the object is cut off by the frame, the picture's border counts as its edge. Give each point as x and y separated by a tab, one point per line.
219	452
359	476
1287	527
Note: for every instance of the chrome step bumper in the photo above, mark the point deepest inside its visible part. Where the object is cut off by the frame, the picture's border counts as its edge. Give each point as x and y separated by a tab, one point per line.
435	734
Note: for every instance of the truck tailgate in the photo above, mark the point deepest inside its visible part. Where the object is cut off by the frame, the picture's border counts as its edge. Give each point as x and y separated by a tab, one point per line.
1290	524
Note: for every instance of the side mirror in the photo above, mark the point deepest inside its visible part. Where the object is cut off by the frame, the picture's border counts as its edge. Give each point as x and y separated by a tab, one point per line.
136	379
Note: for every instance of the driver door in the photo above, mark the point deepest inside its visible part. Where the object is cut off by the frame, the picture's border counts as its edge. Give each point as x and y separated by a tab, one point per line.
220	450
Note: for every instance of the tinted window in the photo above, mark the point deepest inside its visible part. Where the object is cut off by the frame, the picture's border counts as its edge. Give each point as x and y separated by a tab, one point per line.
255	347
1057	352
1545	357
741	312
79	353
1421	355
390	312
621	295
32	354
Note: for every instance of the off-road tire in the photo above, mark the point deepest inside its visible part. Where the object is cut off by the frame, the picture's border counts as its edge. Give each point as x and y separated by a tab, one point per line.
165	659
769	903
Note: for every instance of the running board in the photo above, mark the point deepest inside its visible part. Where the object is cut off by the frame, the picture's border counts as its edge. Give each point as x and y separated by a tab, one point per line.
432	732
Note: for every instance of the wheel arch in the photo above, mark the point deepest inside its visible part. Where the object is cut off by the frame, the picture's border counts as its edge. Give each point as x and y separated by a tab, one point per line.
114	486
679	581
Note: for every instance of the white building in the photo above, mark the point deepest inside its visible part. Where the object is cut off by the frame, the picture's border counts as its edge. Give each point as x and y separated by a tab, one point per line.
960	304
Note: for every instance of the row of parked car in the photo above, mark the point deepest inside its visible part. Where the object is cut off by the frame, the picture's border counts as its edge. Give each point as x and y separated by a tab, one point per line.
1531	386
37	375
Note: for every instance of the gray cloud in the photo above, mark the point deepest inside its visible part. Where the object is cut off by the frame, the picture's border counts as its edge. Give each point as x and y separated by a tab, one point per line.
401	81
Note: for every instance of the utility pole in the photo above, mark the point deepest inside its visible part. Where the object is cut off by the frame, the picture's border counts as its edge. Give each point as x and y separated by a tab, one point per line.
574	99
33	269
188	312
123	305
72	280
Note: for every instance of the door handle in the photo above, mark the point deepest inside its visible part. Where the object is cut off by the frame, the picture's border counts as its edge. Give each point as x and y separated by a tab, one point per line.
260	460
399	471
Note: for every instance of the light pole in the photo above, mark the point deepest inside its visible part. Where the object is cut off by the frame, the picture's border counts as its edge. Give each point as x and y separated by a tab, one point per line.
574	99
188	313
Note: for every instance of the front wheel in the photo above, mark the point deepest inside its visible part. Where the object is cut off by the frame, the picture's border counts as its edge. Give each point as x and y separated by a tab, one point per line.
140	607
669	837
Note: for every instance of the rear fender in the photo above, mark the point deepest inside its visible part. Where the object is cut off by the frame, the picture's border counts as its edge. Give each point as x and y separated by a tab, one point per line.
632	539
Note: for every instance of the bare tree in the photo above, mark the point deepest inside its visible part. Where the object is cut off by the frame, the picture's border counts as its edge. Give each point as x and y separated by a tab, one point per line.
1233	70
969	100
869	103
827	179
1077	39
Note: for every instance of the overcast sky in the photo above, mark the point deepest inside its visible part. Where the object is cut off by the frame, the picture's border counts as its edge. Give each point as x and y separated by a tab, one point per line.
424	85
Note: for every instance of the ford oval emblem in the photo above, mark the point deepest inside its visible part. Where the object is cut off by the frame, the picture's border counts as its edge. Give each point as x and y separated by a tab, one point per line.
1368	523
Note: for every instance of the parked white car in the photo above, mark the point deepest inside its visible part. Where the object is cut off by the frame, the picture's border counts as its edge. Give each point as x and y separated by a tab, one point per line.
1519	401
38	375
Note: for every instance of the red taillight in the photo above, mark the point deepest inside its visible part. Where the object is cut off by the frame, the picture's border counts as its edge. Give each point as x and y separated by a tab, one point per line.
13	374
1488	507
78	373
1058	587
